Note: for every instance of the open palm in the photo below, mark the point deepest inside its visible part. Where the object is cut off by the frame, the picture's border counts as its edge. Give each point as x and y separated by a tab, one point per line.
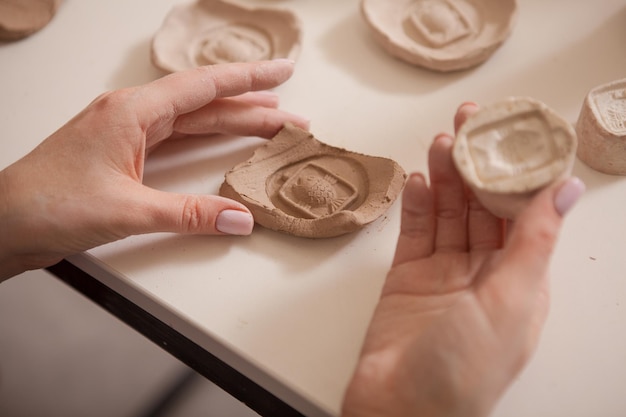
463	304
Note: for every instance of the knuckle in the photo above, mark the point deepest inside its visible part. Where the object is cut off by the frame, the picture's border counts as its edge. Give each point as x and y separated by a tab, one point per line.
114	106
112	99
193	217
415	227
453	212
542	238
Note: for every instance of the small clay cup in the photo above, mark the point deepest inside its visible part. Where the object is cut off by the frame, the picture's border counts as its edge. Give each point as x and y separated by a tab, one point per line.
601	128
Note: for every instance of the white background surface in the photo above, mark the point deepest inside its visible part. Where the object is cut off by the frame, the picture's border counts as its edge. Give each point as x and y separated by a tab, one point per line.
291	312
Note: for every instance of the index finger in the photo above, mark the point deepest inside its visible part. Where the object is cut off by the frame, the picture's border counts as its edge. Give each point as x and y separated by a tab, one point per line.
485	231
464	111
186	91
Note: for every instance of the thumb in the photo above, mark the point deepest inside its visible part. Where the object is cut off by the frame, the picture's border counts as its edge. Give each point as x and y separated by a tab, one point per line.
190	214
520	273
515	293
535	231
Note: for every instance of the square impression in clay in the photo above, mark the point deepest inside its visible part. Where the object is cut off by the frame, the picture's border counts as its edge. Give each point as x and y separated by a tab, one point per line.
441	35
218	31
510	150
298	185
601	128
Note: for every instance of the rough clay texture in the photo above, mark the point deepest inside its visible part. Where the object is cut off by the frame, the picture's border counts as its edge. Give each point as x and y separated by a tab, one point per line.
217	31
510	150
601	128
21	18
441	35
301	186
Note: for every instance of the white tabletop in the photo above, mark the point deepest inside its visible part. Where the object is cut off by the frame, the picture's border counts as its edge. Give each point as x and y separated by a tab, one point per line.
290	313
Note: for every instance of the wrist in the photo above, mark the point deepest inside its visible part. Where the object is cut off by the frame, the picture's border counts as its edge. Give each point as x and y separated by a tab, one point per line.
382	388
9	264
9	268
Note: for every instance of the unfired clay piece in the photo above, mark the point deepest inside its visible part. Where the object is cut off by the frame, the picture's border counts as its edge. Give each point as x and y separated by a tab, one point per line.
509	151
218	31
601	128
301	186
442	35
21	18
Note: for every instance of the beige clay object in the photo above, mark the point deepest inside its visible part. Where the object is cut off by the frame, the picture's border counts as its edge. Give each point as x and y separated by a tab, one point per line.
218	31
509	151
601	129
21	18
442	35
301	186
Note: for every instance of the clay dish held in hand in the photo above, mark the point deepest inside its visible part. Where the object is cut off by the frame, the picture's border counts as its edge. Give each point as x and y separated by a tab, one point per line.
441	35
21	18
301	186
601	128
509	151
217	31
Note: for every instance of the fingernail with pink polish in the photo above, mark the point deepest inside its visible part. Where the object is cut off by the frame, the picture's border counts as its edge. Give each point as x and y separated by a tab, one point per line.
287	60
568	194
444	137
267	93
469	104
234	222
303	122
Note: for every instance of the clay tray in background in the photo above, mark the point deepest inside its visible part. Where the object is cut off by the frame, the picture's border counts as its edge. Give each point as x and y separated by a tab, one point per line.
218	31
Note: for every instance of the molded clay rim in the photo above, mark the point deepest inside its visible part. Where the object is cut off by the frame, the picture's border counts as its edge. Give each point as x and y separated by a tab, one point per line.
305	146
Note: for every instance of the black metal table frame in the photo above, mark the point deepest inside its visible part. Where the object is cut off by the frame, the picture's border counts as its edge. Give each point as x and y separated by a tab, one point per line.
187	351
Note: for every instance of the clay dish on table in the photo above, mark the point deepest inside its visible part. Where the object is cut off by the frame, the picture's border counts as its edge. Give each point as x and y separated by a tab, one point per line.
509	151
21	18
301	186
441	35
218	31
601	128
